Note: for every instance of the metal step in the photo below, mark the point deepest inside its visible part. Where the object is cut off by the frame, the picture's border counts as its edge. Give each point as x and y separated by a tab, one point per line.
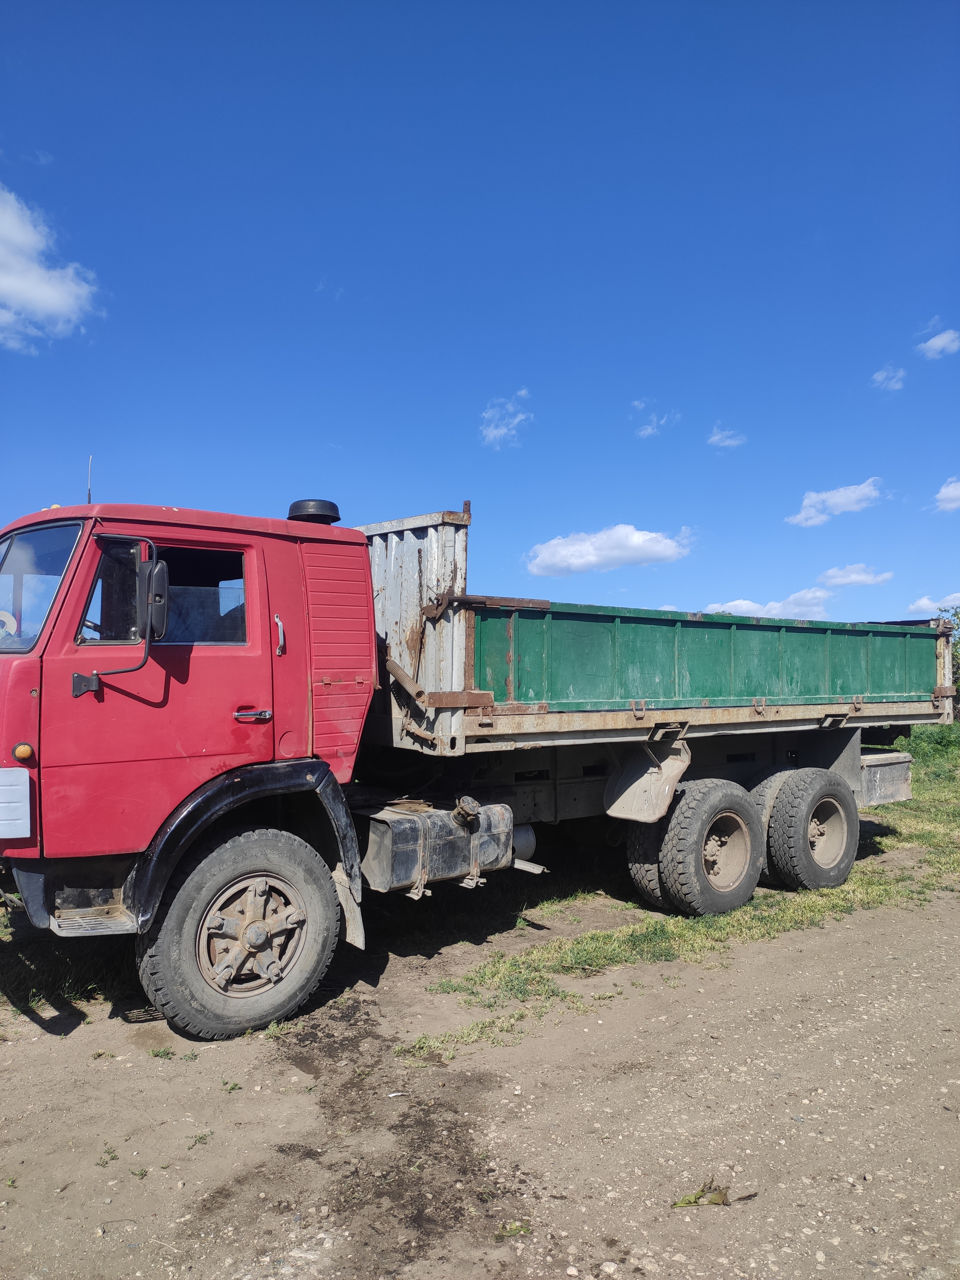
75	922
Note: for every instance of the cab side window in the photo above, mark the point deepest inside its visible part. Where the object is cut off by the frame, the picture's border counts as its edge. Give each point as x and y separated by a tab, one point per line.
207	602
111	613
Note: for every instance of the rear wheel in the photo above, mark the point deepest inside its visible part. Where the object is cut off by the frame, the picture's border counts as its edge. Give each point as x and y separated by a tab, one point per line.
712	853
244	935
764	795
643	862
814	830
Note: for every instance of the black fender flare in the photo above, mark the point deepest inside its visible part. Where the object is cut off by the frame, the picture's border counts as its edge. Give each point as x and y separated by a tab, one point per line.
150	875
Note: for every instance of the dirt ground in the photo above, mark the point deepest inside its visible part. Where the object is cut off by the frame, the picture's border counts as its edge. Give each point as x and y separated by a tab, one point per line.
816	1076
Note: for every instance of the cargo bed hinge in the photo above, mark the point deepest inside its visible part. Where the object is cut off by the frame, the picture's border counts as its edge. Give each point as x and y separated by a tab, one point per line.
639	708
760	706
834	721
407	726
674	732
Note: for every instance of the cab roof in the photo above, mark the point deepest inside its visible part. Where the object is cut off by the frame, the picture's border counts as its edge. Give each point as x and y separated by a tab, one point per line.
188	518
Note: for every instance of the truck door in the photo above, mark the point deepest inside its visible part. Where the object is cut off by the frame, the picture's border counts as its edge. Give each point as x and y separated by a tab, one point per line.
115	763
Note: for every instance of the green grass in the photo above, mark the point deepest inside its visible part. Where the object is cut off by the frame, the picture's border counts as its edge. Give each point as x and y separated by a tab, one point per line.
930	822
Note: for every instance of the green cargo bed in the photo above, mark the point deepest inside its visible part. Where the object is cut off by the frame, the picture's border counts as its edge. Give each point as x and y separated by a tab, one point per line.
578	658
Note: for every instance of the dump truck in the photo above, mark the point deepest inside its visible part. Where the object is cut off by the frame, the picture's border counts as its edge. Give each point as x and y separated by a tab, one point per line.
219	733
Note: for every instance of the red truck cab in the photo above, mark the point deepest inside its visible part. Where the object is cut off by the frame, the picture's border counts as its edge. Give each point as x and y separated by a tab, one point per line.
138	711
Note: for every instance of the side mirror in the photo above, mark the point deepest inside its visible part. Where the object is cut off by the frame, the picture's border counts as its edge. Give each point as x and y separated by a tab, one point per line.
153	582
158	596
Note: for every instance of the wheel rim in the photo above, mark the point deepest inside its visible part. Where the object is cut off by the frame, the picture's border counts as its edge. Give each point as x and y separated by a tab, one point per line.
726	852
827	832
251	935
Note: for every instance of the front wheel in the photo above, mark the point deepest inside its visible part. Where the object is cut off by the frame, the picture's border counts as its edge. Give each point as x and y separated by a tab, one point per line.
244	935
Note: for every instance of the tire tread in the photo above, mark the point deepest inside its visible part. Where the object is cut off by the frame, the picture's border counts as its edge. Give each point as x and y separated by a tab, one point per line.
643	862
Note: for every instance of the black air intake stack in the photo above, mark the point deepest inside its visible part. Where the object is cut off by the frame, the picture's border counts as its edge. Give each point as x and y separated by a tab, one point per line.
314	511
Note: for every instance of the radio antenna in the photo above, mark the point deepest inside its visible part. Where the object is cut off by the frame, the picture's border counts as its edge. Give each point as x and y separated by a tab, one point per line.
89	476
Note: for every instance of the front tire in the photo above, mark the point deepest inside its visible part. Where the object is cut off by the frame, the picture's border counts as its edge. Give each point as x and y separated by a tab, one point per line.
244	936
712	853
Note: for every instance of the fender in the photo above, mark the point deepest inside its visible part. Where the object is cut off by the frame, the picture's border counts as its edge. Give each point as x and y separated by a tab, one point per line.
644	787
147	881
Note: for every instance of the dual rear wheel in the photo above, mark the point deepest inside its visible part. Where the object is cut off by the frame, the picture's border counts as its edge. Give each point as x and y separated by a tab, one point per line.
708	854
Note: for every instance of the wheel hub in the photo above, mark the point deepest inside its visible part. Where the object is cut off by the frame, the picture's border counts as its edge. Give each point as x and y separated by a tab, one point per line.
713	852
251	935
827	832
255	937
726	851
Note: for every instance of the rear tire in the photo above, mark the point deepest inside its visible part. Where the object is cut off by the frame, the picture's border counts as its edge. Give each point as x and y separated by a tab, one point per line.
643	862
814	830
243	937
764	796
712	854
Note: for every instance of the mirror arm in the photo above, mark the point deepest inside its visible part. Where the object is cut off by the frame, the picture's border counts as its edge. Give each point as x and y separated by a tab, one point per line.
93	683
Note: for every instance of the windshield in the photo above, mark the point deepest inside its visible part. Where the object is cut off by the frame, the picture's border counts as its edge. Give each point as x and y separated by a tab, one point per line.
31	567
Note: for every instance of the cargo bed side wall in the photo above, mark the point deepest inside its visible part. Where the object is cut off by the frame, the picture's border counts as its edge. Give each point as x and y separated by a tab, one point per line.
576	658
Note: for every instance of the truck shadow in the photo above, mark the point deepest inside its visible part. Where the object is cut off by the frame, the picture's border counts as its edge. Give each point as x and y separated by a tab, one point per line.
47	979
399	925
871	832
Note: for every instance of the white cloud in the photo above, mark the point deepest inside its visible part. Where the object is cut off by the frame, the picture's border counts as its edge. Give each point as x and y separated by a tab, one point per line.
929	607
948	495
651	427
889	379
37	300
818	507
946	343
725	439
853	575
654	420
502	418
808	603
621	544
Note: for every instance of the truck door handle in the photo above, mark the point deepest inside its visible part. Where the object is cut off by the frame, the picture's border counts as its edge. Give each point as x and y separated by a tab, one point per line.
281	639
253	717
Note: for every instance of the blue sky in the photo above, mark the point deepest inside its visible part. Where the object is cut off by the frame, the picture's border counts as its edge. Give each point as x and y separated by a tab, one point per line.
669	290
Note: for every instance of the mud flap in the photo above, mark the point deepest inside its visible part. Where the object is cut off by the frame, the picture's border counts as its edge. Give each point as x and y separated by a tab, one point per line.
352	917
644	787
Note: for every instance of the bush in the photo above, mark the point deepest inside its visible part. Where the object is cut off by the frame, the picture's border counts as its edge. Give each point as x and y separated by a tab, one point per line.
930	742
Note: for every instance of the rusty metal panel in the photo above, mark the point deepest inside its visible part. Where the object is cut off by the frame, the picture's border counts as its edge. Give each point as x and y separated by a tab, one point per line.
419	567
517	727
